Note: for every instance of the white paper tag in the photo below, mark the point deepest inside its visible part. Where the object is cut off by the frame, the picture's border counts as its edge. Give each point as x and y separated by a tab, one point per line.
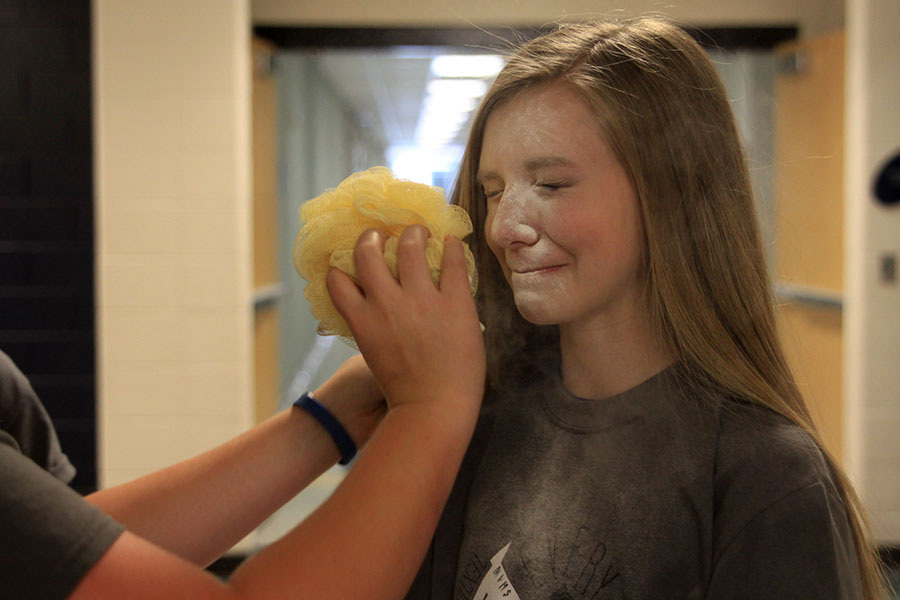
496	585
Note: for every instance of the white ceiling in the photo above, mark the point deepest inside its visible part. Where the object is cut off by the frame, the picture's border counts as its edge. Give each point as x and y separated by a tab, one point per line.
384	87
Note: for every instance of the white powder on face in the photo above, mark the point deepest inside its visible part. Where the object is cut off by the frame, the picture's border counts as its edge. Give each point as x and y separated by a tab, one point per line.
516	132
521	218
513	219
538	296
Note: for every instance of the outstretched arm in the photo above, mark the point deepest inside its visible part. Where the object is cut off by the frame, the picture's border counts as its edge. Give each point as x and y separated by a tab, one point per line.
425	348
201	507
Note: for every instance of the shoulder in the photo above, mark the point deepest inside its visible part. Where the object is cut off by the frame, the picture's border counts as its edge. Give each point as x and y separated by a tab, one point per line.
9	372
753	436
13	387
25	424
754	439
17	397
765	462
762	457
781	525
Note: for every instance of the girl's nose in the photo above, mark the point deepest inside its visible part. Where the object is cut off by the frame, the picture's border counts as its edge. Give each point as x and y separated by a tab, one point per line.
513	223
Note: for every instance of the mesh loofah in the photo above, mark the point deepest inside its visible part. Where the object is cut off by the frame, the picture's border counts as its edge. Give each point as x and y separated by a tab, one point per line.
372	199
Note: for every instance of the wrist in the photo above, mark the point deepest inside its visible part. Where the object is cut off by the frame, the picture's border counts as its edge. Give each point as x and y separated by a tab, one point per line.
432	435
352	395
445	411
330	424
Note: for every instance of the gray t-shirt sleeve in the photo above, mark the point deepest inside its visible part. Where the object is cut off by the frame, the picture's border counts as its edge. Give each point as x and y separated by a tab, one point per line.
782	529
797	547
49	535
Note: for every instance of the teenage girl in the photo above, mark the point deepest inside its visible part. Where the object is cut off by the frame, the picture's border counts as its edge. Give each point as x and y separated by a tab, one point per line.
642	435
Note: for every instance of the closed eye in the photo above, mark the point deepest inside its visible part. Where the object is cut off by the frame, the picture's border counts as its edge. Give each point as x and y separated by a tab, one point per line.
552	185
492	194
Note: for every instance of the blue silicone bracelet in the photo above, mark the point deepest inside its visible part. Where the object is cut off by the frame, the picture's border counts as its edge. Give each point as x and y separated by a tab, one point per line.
337	432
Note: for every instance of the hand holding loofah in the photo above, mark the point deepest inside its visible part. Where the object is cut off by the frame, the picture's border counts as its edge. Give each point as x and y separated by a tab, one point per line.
372	199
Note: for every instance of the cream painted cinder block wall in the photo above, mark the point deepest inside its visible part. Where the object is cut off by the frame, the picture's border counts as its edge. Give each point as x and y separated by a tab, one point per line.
872	313
810	15
173	218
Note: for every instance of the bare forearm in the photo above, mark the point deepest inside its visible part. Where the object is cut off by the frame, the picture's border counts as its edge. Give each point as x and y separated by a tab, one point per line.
364	543
201	507
380	520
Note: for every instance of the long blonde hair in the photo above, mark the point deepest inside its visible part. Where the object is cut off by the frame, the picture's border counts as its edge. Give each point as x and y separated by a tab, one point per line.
664	111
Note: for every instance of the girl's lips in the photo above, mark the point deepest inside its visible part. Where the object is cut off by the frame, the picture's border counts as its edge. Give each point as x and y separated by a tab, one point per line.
530	270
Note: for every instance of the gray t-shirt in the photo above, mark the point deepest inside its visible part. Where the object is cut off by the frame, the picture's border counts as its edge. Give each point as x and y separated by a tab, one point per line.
649	494
50	537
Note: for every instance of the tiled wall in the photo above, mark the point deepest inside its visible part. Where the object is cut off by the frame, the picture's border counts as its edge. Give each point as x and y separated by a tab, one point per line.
46	225
462	13
172	115
872	326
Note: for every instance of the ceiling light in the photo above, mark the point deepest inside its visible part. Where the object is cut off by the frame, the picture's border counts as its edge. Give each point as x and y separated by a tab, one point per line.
449	104
467	65
457	88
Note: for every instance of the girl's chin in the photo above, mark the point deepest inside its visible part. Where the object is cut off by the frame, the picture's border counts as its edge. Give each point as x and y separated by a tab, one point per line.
537	315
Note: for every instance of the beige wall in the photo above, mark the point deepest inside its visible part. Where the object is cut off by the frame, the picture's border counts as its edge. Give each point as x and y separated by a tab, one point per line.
811	15
872	308
172	113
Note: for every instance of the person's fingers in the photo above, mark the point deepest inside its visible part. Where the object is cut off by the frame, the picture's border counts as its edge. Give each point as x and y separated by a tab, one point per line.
412	265
371	268
454	274
345	294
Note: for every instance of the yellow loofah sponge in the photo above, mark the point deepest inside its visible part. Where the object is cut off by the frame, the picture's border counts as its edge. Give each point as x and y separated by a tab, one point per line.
372	199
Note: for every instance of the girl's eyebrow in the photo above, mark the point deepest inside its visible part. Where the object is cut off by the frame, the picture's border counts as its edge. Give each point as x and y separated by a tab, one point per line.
481	176
548	161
